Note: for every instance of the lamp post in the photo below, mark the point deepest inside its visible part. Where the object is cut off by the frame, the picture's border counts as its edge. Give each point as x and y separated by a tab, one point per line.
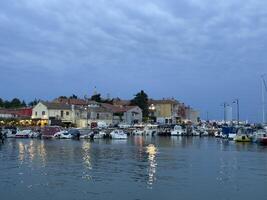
225	104
237	109
263	92
87	108
152	109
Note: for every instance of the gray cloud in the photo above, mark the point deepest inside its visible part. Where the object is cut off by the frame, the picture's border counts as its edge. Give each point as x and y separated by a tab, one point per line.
190	49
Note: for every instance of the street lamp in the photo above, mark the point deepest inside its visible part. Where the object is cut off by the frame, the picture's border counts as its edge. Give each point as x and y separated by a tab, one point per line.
225	104
152	109
87	108
237	109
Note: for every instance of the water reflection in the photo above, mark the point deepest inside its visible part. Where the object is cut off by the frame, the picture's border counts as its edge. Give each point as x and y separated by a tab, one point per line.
87	160
133	168
151	150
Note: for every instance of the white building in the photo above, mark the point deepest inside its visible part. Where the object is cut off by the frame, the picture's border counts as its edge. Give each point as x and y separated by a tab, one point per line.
46	113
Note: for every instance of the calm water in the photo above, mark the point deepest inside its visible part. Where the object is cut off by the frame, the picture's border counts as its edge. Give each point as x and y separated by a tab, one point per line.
139	168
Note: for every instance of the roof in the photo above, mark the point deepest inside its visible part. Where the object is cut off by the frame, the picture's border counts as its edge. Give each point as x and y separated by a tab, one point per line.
117	108
56	106
118	101
164	101
71	101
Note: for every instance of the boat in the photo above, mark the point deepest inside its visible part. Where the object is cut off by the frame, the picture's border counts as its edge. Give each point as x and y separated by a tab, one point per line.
260	137
150	130
99	135
138	132
229	132
48	132
242	136
118	134
177	131
10	133
23	134
60	134
35	134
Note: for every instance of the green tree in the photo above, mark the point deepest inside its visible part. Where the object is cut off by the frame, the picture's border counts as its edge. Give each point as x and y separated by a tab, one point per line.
23	104
1	103
34	102
15	103
73	96
141	100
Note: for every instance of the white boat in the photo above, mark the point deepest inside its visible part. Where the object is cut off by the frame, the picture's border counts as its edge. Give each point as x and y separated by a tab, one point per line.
34	134
118	134
177	131
23	134
149	131
138	132
63	135
195	132
260	136
121	125
100	135
231	136
10	133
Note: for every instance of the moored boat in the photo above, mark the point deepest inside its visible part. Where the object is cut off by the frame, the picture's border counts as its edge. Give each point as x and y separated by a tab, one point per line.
260	137
23	134
118	134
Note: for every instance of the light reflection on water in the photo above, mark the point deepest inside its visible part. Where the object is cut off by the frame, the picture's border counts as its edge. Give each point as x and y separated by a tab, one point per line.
152	151
137	168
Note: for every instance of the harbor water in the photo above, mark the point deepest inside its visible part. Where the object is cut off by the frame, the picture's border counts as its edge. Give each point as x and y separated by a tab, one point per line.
137	168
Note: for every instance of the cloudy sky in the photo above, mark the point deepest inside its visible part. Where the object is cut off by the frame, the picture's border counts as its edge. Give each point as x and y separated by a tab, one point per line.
202	52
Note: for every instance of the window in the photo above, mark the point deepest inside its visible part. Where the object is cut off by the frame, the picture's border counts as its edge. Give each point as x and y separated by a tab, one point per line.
97	116
43	112
61	113
67	113
36	113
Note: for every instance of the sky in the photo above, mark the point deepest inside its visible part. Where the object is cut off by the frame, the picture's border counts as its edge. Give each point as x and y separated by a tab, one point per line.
201	52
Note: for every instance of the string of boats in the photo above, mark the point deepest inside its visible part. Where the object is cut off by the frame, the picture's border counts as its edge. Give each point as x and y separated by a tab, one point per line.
236	133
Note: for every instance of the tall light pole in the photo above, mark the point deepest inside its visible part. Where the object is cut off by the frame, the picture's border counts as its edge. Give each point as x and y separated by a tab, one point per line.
86	108
225	104
263	90
237	109
152	110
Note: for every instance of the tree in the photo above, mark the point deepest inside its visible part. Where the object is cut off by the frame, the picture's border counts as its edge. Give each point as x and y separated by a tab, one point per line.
141	100
73	96
23	104
96	97
1	103
15	103
34	102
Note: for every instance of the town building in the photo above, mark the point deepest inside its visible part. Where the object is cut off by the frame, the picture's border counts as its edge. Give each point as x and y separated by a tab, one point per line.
125	114
171	111
49	113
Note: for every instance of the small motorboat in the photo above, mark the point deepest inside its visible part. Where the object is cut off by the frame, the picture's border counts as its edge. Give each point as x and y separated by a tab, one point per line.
177	131
23	134
138	132
242	135
260	137
118	134
99	135
242	138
